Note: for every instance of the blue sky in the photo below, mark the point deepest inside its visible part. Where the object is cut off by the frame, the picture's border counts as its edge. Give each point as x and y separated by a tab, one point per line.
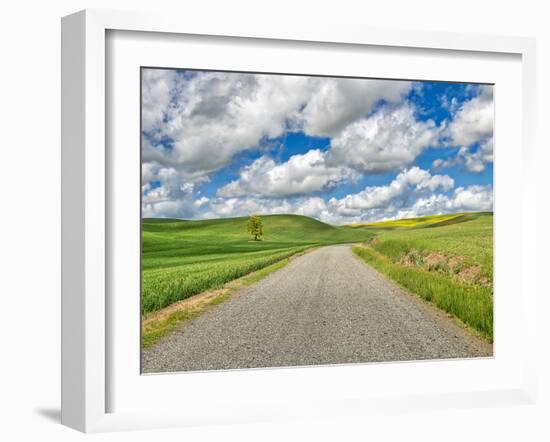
341	150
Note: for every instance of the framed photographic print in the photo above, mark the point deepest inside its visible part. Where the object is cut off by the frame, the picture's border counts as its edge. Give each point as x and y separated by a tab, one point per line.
287	197
291	223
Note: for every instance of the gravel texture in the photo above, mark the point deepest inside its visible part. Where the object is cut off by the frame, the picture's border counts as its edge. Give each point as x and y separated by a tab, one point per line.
325	307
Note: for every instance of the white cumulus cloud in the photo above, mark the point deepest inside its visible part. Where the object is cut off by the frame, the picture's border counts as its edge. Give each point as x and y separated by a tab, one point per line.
301	174
472	130
472	198
389	139
157	91
337	102
165	192
212	116
474	120
408	183
473	160
230	207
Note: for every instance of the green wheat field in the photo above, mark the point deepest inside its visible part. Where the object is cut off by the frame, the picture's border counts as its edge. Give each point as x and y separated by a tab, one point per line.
183	258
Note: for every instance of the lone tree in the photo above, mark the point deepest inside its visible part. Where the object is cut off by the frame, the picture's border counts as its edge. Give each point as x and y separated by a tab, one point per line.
254	226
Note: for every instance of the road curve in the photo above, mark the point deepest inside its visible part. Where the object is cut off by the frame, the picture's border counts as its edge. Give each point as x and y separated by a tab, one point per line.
325	307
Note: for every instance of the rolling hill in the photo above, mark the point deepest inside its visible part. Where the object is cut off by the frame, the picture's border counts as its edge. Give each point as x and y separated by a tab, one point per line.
182	258
424	221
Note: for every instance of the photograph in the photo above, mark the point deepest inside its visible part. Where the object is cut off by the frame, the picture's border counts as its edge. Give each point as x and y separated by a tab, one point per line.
295	220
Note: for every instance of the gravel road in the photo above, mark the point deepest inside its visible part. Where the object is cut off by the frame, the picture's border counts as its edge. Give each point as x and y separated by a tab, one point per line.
325	307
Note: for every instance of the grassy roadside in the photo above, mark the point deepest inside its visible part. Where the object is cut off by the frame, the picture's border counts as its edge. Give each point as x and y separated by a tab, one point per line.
160	323
449	264
473	305
154	328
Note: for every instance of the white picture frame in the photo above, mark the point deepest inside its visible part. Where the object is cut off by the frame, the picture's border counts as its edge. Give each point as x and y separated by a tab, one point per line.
85	218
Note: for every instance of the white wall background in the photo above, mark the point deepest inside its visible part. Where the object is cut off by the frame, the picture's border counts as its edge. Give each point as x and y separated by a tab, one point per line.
30	214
